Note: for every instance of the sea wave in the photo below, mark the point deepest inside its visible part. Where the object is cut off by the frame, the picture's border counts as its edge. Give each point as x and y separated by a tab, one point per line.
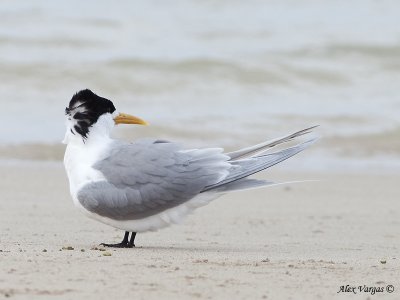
234	70
151	76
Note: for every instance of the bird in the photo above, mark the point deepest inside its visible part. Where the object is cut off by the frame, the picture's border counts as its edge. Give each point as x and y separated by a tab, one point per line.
150	183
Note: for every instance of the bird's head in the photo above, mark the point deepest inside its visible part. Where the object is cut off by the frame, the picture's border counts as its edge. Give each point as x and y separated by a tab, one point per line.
88	114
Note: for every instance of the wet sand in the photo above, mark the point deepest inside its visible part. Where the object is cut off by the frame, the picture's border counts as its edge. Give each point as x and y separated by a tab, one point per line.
301	241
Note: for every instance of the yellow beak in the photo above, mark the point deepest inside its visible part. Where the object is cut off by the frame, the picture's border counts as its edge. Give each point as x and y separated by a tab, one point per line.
128	119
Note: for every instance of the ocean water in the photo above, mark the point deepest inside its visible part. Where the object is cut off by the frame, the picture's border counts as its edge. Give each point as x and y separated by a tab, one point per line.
212	72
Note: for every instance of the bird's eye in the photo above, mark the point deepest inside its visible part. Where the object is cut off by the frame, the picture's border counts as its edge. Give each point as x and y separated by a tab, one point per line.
67	111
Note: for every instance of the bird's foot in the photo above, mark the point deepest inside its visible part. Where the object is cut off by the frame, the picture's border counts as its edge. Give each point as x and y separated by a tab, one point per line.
126	243
119	245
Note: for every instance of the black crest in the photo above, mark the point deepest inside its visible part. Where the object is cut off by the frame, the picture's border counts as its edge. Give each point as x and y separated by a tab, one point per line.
85	108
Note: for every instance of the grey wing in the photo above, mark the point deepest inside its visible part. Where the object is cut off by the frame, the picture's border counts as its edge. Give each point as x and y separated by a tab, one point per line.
150	176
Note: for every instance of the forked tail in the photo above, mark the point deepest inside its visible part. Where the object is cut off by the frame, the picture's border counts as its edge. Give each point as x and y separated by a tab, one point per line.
257	160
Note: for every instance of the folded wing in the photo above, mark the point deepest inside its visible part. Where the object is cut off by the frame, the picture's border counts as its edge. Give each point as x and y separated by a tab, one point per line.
148	177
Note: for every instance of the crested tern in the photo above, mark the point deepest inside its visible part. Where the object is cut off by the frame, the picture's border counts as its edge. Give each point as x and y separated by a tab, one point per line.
150	183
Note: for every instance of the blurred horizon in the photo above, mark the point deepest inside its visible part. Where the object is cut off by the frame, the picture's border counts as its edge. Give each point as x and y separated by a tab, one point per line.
207	73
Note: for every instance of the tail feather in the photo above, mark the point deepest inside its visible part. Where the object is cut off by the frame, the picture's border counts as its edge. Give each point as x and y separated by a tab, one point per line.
249	184
260	148
247	167
243	184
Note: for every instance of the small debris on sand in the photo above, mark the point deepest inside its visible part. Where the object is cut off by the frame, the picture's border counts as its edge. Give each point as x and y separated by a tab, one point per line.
68	248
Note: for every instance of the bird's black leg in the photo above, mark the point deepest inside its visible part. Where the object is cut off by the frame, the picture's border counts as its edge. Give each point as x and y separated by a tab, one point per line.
132	240
124	243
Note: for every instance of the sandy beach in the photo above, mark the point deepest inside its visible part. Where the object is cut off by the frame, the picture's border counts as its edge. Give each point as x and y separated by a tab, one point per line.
208	74
301	241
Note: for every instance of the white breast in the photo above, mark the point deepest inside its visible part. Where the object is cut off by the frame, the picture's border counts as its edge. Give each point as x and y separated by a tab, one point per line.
79	160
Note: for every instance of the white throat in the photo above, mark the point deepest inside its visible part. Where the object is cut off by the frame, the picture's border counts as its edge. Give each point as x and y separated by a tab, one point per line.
101	130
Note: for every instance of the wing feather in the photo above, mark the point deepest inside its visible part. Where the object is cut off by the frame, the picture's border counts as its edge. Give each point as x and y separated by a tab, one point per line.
258	149
248	167
148	177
